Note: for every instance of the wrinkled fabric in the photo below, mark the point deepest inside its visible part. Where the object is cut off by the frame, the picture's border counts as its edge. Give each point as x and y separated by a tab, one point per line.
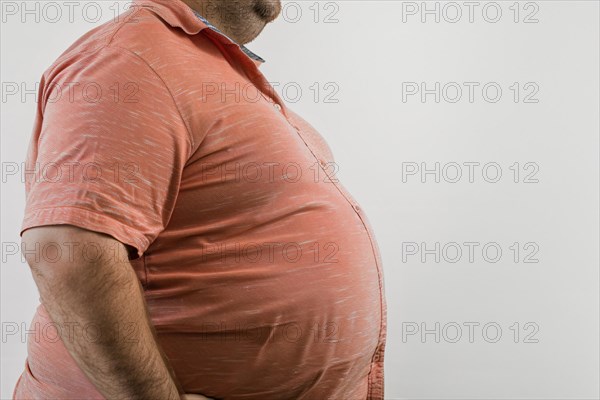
260	271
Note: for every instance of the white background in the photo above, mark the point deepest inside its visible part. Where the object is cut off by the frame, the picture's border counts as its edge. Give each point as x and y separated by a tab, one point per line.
368	57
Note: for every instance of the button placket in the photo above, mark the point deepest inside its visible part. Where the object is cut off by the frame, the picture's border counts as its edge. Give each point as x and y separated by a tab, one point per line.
321	162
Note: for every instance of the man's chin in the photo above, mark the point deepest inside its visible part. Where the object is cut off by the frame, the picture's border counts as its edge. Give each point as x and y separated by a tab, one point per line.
267	11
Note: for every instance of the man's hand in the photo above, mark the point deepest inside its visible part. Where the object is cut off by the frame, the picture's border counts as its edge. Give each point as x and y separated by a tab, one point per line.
88	280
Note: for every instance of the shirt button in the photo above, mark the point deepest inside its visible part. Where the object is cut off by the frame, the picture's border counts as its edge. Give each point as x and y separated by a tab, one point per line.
356	207
323	163
277	106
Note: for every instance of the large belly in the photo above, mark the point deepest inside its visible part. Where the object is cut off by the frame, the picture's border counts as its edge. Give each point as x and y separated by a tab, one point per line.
260	315
289	310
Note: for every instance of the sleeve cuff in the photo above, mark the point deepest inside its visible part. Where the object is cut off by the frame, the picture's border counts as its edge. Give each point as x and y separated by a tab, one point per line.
86	219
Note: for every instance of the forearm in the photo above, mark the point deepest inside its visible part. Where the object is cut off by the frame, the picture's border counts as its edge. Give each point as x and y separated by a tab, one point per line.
106	298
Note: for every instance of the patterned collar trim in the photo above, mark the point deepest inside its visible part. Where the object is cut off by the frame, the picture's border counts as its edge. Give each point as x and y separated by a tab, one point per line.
249	53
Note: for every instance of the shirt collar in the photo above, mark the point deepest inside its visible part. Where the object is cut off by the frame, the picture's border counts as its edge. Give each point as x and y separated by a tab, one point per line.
244	48
178	14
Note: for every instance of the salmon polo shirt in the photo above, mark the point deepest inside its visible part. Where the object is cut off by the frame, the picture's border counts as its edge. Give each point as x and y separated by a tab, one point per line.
261	273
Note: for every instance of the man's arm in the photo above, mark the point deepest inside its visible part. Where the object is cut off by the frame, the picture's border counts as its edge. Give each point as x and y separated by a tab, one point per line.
91	283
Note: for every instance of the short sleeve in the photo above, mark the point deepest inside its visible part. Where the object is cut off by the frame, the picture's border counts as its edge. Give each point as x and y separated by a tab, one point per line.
108	149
